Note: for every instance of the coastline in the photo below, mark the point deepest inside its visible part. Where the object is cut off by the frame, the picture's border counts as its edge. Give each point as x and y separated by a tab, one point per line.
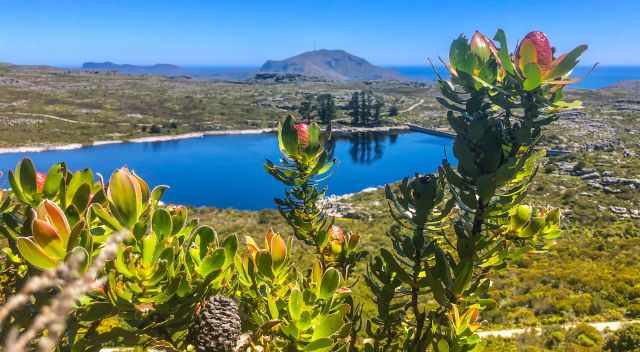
339	132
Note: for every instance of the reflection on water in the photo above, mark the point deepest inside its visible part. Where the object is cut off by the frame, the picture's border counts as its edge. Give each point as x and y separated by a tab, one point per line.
365	147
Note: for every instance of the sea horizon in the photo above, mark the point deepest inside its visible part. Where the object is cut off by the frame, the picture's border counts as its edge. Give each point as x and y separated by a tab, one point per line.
588	77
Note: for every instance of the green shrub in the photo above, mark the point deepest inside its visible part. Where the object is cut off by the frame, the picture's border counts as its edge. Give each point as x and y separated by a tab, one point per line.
584	335
626	339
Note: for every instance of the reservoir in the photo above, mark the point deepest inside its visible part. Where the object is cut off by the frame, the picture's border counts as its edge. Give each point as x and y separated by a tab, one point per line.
227	171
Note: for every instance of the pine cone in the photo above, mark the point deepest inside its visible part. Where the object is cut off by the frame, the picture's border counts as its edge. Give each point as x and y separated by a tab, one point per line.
217	325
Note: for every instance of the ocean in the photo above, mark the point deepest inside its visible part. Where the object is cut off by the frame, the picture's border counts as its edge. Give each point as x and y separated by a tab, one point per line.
601	77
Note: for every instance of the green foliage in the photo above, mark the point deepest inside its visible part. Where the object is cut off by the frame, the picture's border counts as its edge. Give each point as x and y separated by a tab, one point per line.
497	113
365	108
626	339
454	231
160	273
304	161
326	107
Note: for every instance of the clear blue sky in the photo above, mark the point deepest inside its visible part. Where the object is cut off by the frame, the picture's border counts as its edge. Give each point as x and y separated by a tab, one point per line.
243	32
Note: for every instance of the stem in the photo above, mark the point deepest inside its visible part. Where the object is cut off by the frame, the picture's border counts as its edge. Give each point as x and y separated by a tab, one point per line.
415	289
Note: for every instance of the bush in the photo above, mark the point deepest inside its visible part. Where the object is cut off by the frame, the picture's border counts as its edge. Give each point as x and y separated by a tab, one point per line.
626	339
634	310
584	335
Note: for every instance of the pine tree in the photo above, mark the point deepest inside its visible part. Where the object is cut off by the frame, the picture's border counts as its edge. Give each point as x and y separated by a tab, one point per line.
393	111
326	108
354	106
377	110
306	109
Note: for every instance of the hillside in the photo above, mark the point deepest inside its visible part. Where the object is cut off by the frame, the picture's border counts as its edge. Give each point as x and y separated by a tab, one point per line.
332	65
158	69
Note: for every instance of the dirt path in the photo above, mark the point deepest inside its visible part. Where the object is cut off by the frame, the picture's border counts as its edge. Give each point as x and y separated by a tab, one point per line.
609	325
412	106
54	118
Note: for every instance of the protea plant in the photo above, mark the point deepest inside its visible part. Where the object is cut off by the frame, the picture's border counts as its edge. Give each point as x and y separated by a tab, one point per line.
304	162
498	103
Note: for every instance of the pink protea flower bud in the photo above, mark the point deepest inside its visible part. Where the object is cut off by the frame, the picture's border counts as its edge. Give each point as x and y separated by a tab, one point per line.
303	134
41	178
544	53
336	233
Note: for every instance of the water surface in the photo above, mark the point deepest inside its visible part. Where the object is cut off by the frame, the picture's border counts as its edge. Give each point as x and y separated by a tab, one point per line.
227	171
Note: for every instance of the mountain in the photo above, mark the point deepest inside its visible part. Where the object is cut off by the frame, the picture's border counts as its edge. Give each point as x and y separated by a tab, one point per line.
333	65
158	69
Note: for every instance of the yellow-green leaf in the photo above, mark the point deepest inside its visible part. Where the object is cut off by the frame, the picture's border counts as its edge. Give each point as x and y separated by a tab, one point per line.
34	254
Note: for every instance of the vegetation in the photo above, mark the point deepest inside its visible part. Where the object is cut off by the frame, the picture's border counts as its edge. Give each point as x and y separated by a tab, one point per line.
365	108
451	235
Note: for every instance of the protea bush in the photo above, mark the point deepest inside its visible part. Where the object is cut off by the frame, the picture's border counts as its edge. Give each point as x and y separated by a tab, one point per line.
174	284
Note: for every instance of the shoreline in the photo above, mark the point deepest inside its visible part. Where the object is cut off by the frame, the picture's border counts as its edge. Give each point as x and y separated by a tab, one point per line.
340	132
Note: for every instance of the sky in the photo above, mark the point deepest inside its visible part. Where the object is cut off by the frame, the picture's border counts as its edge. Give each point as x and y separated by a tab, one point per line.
247	32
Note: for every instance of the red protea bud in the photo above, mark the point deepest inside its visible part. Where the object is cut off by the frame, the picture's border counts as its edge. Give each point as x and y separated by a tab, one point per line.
544	53
303	134
41	178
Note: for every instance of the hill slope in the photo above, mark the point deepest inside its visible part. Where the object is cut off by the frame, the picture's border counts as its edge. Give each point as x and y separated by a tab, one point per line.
333	65
132	69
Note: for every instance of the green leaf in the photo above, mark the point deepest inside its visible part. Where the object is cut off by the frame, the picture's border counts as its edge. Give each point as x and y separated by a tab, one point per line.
566	62
323	344
533	76
460	55
157	193
34	254
528	54
329	283
125	197
78	179
273	308
503	54
264	263
230	246
26	174
296	303
327	325
101	213
212	263
162	223
82	196
46	236
54	177
314	136
149	245
205	235
288	136
443	346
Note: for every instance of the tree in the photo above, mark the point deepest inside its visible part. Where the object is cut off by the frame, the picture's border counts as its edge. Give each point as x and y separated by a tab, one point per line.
354	107
307	108
377	110
326	107
365	108
393	111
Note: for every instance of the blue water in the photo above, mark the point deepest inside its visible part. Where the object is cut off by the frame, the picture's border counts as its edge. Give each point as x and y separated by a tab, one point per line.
227	171
601	77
